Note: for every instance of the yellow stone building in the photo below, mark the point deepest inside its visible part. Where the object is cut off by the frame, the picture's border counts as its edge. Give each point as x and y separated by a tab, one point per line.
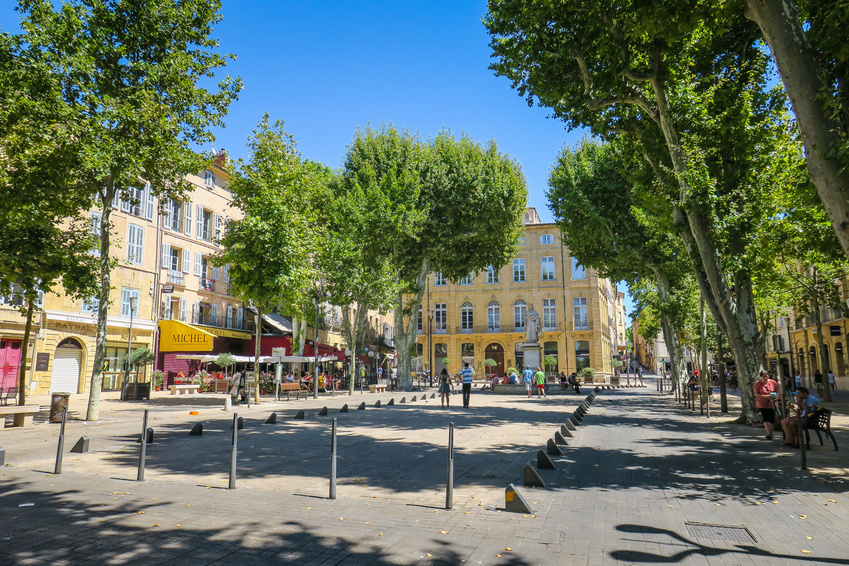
163	252
483	316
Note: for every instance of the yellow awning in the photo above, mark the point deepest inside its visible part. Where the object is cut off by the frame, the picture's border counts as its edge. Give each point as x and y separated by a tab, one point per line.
176	336
228	333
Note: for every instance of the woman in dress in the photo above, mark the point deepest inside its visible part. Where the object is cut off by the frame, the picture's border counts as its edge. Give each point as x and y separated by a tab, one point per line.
444	388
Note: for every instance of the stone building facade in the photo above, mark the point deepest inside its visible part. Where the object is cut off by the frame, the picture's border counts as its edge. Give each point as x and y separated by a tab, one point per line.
482	316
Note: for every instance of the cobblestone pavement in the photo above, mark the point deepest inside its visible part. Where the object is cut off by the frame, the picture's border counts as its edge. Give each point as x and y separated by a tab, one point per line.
644	481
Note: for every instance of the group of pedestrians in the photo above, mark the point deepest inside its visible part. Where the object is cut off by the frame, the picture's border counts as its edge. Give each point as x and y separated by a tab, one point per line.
805	405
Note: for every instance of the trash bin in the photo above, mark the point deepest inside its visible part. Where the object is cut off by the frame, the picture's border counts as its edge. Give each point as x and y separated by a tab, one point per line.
58	403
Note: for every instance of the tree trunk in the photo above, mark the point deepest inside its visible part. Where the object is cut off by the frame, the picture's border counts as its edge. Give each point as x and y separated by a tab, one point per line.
93	410
720	368
256	353
734	307
406	335
704	371
803	79
670	331
22	373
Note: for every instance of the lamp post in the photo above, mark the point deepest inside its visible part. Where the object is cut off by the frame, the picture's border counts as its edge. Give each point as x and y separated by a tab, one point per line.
430	343
134	301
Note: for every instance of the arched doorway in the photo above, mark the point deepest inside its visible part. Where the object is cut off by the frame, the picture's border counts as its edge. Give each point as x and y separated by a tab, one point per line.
67	363
841	363
495	352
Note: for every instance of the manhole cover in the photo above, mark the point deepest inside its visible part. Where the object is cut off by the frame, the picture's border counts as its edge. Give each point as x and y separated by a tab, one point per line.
720	532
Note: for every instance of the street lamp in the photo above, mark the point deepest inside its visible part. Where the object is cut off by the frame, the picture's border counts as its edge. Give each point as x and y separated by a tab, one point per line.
430	343
134	301
370	355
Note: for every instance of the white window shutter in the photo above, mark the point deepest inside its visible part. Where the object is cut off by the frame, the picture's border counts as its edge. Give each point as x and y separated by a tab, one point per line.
167	213
240	318
184	306
187	261
213	310
216	227
140	244
167	314
199	220
225	275
166	255
198	264
229	316
214	273
196	313
116	200
188	224
149	207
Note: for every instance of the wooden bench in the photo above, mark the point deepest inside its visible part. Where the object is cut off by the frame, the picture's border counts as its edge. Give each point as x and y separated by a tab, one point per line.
293	387
188	388
377	388
23	414
820	421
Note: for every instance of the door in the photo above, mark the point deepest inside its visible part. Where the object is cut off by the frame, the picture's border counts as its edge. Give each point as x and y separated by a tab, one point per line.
10	362
495	352
67	362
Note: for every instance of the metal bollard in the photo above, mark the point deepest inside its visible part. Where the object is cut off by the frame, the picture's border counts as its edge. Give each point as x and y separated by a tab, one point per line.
232	483
142	448
333	461
57	469
449	491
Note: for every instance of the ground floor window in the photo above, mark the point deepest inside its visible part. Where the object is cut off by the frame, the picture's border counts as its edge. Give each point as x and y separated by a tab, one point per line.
440	352
520	357
550	349
582	354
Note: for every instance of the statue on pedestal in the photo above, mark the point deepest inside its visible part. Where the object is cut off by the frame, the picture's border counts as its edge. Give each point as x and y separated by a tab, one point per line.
532	326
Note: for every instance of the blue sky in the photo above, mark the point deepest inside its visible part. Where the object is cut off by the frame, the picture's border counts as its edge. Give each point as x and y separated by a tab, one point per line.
329	67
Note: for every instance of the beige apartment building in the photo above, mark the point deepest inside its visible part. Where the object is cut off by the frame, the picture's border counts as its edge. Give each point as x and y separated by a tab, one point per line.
163	252
483	316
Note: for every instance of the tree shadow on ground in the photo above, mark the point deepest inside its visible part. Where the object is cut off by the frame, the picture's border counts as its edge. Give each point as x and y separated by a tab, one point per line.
60	528
701	550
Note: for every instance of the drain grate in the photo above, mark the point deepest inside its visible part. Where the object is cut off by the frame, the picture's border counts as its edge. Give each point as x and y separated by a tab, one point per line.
728	533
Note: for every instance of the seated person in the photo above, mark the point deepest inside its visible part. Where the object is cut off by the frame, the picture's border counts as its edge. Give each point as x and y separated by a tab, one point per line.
563	380
506	380
805	404
494	381
573	381
693	384
513	377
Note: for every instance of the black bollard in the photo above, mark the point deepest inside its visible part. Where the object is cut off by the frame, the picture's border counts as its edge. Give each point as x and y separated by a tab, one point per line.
449	491
333	461
57	469
233	452
142	448
2	456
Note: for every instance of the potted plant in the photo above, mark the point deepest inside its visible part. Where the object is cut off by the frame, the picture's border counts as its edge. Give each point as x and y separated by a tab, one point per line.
202	378
587	374
550	361
157	377
266	381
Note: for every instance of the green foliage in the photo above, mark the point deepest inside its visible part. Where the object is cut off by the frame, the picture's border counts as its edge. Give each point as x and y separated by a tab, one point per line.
616	362
141	357
588	373
269	249
157	378
225	360
446	361
490	363
512	370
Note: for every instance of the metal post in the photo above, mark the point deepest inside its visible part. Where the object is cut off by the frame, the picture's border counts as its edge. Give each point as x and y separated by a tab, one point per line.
142	448
57	469
803	420
233	452
333	461
315	345
449	491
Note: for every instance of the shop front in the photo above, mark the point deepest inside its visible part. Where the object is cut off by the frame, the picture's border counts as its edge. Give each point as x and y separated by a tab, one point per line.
178	339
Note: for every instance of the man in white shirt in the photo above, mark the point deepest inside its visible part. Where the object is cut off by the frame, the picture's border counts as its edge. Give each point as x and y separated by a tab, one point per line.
466	376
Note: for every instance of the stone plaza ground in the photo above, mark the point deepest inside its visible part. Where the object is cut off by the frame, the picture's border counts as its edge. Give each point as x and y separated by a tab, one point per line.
643	481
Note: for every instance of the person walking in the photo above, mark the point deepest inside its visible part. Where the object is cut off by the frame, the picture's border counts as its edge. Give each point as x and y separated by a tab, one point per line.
466	376
831	380
445	388
798	379
528	376
764	396
539	377
818	382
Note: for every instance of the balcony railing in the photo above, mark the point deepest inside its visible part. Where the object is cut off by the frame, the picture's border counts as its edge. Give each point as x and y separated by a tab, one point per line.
220	321
583	325
175	277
